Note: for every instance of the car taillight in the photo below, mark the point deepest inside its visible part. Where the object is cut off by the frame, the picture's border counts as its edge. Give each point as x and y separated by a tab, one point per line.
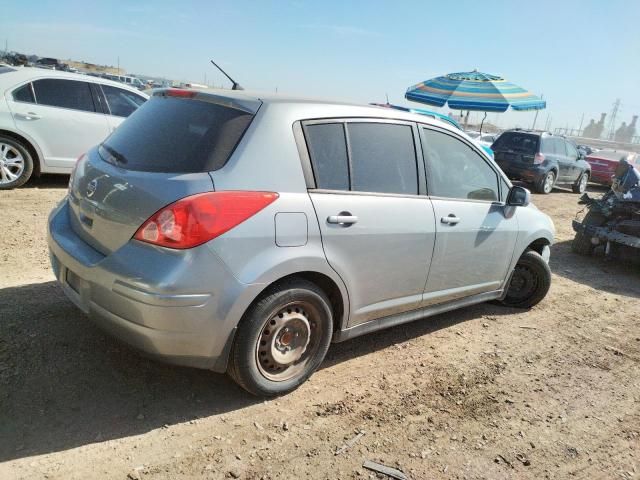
539	158
75	167
194	220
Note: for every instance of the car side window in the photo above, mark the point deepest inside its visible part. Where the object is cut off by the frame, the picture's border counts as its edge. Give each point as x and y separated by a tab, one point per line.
383	158
122	103
456	170
546	146
328	151
572	153
24	94
70	94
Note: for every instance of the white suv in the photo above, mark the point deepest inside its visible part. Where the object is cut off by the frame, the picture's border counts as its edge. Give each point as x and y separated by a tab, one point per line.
49	118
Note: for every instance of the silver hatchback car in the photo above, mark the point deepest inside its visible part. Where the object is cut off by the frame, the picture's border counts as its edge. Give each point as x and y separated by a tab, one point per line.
245	233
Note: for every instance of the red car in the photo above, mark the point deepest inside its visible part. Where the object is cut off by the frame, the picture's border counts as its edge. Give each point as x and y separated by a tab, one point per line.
603	164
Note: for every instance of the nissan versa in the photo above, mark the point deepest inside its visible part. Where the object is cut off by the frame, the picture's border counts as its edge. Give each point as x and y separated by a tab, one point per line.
244	233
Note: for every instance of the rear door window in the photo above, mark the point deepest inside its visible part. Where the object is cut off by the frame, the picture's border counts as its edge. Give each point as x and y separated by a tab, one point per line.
383	158
24	94
456	170
70	94
175	135
572	152
328	151
363	156
122	103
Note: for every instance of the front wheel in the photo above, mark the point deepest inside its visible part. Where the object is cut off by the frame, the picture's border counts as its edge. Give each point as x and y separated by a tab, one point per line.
530	281
282	339
581	243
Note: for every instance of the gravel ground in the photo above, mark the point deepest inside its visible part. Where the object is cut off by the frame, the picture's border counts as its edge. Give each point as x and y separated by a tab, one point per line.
483	392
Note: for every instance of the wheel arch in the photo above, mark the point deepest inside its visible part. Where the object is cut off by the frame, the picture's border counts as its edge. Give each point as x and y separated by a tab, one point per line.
30	145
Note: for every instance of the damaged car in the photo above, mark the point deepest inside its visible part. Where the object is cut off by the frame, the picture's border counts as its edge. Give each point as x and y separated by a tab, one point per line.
612	221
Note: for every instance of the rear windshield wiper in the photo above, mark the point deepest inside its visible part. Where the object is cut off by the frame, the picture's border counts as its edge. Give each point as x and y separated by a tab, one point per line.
117	156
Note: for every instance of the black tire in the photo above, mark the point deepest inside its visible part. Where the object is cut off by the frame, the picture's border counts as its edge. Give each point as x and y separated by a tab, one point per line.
542	186
581	243
530	281
580	186
27	170
258	361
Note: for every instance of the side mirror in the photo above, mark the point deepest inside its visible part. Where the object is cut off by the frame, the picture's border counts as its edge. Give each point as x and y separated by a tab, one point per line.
519	197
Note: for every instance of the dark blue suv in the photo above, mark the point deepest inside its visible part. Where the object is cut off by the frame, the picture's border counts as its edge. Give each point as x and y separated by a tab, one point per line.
541	159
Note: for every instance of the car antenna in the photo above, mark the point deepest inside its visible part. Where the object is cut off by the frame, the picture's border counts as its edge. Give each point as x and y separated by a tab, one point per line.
236	85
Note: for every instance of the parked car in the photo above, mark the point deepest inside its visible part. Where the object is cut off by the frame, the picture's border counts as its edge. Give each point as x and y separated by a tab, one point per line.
541	159
50	64
604	162
127	80
239	233
586	149
486	139
48	118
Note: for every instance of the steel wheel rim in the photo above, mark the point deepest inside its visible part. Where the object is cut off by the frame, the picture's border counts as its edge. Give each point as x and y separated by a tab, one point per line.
523	283
288	340
548	183
11	163
583	182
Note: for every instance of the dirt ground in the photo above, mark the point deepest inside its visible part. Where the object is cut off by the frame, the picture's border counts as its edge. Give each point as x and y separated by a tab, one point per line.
484	392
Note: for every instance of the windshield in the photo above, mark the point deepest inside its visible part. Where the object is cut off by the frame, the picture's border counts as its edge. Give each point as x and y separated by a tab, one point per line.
518	142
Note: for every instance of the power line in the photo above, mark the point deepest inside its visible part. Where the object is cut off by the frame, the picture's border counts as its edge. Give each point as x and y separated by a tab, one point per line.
612	120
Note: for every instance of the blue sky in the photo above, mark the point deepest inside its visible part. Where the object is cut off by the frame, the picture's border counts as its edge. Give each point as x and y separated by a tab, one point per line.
581	55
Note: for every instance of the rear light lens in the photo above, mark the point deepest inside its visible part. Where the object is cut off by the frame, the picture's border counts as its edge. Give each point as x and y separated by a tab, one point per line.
539	158
194	220
75	167
179	92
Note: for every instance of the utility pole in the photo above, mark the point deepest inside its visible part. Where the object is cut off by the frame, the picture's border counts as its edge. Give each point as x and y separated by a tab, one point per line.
118	65
580	129
612	120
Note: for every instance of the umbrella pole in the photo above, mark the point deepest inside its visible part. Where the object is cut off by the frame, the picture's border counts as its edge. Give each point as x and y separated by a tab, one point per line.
466	120
482	122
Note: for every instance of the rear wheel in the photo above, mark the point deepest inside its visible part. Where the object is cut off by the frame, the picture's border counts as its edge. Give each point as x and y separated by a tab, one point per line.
545	184
16	164
282	339
582	243
581	185
530	281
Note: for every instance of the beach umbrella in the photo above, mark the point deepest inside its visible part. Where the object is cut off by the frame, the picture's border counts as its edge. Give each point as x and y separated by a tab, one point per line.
476	91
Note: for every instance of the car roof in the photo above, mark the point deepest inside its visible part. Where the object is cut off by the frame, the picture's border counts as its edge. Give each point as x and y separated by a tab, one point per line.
344	108
24	74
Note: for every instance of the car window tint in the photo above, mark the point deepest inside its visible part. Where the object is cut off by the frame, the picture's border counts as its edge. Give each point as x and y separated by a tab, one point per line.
122	103
328	152
505	187
572	153
24	94
546	146
517	142
456	170
64	93
175	135
383	158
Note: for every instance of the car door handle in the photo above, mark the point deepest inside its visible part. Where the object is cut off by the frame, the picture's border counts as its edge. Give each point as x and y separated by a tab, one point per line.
450	220
344	220
27	116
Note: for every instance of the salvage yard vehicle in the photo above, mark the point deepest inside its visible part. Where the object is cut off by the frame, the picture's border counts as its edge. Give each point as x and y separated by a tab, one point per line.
604	162
243	233
613	221
541	159
48	118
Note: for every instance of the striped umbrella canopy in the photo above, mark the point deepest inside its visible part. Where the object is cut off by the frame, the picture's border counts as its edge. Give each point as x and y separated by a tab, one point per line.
474	91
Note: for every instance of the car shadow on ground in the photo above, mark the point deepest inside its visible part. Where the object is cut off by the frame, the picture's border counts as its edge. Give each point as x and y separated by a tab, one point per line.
64	384
613	276
48	181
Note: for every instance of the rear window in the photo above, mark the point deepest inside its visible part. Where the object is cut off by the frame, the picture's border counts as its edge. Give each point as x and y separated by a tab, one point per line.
174	135
518	142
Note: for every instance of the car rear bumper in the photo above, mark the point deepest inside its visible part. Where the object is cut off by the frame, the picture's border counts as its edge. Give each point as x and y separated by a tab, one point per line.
177	305
526	173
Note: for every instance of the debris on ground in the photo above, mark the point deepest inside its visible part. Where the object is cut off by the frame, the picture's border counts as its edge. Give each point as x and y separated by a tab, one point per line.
388	471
